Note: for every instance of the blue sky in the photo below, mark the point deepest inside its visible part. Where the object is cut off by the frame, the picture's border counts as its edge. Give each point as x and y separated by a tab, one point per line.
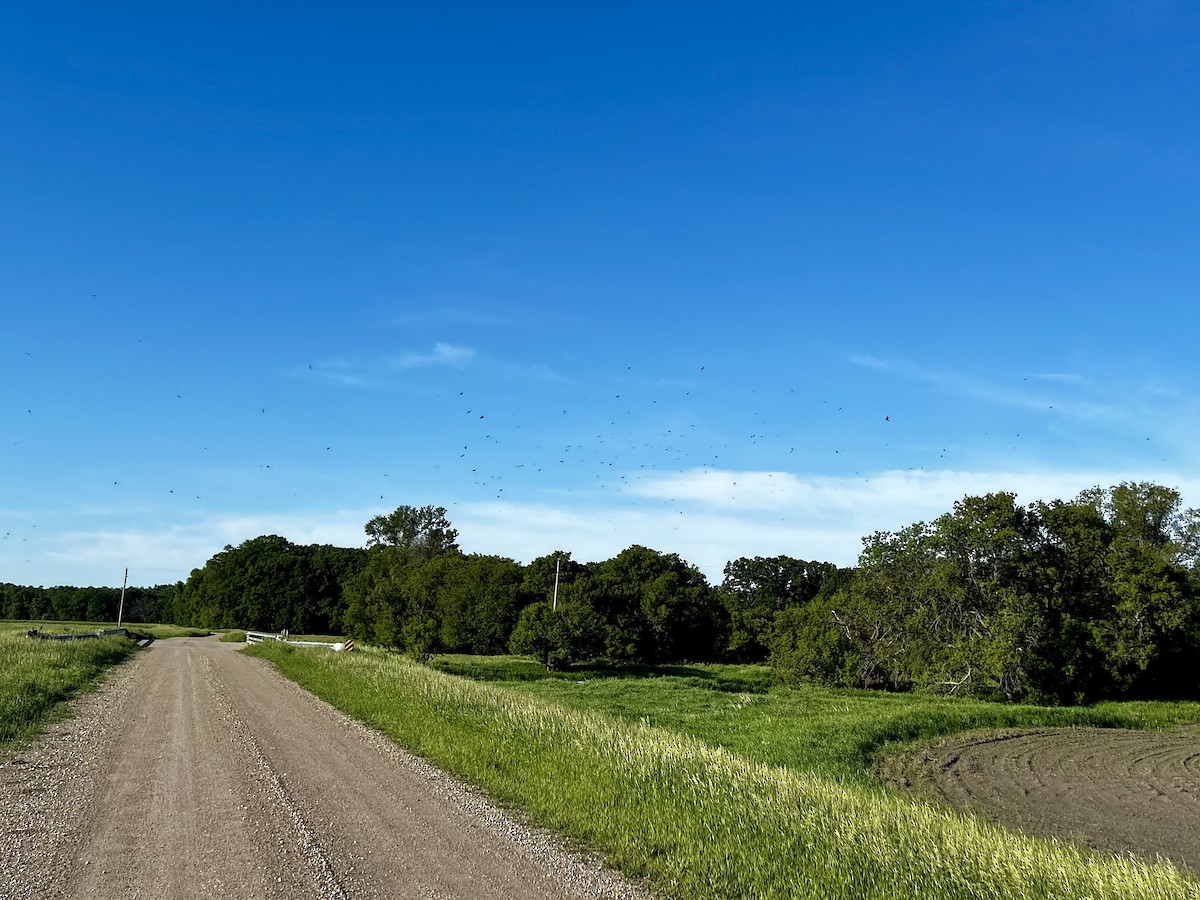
721	279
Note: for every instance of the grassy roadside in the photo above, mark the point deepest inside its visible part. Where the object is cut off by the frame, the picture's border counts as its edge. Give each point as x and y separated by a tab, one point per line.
37	676
152	629
698	821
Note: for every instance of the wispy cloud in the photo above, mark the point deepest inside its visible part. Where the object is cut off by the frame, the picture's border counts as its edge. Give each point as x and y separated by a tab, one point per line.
1028	396
710	517
836	512
882	495
338	371
372	372
534	372
442	355
706	539
1059	377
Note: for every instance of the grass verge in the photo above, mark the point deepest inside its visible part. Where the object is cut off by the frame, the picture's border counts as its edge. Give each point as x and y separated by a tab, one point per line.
697	821
37	676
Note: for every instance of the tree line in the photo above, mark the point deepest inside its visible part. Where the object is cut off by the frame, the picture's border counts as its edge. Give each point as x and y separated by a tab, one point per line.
414	590
88	604
1060	602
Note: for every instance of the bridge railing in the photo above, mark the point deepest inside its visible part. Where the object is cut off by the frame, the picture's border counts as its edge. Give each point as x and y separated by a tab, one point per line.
284	637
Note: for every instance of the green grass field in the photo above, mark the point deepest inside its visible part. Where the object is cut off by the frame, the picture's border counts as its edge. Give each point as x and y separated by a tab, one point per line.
163	632
838	733
708	791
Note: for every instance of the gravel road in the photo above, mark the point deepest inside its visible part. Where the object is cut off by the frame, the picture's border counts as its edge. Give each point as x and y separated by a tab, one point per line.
198	772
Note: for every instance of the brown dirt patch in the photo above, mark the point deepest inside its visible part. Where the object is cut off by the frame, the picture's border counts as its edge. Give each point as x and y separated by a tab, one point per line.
1131	792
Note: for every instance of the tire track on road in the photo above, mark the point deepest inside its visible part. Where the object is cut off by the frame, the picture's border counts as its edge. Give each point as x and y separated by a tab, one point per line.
310	847
182	810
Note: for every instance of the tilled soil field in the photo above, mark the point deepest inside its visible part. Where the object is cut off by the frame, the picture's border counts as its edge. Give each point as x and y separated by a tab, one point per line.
1132	792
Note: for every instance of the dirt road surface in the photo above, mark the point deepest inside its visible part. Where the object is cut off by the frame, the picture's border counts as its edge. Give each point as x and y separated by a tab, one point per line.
1132	792
198	772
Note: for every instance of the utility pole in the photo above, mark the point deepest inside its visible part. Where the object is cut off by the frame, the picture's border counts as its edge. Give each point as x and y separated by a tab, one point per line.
557	563
121	608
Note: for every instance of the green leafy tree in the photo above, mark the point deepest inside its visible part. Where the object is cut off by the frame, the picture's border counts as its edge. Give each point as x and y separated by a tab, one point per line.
655	608
479	602
756	590
375	602
558	636
102	605
266	583
1152	626
540	632
1070	583
809	642
394	600
420	532
1055	602
540	575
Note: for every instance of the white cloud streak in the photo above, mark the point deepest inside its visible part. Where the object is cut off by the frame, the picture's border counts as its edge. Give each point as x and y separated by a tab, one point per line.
710	517
442	355
368	373
980	389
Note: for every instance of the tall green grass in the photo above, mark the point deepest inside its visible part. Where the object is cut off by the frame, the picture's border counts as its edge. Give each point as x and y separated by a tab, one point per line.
698	821
37	676
837	733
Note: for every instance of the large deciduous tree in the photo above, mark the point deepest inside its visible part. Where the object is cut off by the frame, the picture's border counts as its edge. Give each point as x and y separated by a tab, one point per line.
269	583
1058	602
420	532
756	590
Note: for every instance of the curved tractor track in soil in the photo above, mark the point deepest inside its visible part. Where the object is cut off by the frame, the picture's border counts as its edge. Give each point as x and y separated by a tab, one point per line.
1132	792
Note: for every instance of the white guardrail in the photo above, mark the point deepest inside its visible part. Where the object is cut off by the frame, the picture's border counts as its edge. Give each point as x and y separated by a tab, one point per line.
256	637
